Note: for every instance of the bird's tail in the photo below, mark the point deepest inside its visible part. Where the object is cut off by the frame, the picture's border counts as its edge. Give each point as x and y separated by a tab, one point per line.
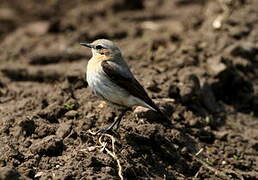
162	114
151	105
154	107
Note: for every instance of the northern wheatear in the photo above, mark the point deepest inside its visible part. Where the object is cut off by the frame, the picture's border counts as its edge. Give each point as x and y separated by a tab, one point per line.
110	78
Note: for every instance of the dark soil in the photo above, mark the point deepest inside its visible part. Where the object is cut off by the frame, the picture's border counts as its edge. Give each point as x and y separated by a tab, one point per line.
204	78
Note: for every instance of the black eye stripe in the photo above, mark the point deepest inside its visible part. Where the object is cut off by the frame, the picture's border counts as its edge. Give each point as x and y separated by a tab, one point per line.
99	47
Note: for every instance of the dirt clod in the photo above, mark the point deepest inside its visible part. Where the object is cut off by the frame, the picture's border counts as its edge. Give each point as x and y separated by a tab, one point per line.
49	146
202	77
48	57
9	174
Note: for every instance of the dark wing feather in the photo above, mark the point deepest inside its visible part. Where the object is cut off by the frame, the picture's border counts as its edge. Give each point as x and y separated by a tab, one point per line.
129	84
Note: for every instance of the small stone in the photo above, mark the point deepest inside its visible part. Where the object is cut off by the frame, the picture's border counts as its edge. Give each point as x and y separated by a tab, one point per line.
72	114
184	150
63	130
224	162
215	65
39	174
91	148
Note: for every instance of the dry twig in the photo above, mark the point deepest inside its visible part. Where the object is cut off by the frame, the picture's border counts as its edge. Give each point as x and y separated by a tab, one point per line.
112	153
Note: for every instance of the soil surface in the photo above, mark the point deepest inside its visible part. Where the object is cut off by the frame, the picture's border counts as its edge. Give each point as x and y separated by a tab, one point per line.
197	59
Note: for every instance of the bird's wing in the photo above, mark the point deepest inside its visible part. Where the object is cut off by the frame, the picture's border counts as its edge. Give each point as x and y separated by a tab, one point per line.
130	84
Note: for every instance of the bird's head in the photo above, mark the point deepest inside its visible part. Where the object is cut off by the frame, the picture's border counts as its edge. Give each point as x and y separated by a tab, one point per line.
103	49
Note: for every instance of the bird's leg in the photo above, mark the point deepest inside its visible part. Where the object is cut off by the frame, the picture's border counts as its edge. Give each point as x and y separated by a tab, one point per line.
115	124
118	119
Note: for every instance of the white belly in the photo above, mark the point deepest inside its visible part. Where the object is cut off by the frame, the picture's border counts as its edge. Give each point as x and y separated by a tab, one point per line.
106	89
103	87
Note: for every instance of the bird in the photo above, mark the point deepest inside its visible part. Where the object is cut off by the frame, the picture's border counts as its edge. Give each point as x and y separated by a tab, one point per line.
110	78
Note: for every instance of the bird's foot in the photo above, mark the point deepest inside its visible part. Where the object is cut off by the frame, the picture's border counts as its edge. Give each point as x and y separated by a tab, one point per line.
107	130
112	127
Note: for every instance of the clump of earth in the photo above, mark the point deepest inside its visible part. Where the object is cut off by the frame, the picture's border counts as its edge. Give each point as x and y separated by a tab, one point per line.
202	74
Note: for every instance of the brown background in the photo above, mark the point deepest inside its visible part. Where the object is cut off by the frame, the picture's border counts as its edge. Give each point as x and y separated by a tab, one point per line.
173	49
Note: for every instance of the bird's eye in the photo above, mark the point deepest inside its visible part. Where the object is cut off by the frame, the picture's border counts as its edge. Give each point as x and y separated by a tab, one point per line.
99	47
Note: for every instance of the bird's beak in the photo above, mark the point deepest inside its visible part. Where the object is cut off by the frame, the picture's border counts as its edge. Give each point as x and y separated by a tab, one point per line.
86	45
